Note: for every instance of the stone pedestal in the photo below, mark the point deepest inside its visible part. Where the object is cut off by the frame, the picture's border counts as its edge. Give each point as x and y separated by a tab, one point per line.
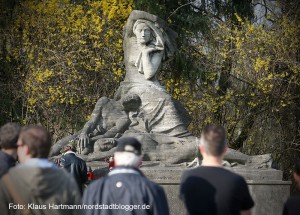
267	189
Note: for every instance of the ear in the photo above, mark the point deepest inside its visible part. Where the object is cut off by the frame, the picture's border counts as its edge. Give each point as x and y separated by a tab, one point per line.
225	148
141	161
201	148
26	150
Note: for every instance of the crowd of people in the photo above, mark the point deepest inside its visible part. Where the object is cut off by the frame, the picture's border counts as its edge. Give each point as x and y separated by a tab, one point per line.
37	186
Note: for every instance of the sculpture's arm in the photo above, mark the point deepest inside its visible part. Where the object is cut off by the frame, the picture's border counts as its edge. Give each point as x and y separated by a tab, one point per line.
95	116
121	125
151	62
92	123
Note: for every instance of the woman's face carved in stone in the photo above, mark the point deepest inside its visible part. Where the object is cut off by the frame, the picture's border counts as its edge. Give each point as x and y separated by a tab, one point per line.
143	33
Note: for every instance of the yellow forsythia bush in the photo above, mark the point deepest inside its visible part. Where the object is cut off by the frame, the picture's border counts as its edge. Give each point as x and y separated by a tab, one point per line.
68	55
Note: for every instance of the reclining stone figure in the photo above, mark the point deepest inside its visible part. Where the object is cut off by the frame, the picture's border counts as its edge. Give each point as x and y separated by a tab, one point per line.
109	119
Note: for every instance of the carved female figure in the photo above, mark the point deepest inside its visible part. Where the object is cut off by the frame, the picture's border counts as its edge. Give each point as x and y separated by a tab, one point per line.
151	47
147	42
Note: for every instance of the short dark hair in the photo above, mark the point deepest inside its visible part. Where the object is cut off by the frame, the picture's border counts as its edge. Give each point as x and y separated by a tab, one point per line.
37	139
70	147
214	139
9	134
297	167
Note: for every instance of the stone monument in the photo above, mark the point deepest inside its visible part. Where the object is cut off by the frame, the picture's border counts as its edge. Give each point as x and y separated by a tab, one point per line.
143	109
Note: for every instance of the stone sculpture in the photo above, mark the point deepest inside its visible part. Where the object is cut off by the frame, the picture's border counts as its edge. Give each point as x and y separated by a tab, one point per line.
156	119
141	107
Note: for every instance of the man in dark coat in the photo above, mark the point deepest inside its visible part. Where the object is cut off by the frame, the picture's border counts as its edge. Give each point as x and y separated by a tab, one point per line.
37	186
75	165
126	191
9	134
292	205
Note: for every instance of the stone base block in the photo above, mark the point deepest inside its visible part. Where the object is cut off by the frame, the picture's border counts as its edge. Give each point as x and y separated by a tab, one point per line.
267	189
266	186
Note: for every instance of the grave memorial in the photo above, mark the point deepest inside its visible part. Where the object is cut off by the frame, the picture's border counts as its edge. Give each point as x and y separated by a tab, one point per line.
143	109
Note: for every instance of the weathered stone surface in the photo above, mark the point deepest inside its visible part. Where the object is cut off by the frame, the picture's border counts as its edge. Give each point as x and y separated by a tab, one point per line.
269	196
260	161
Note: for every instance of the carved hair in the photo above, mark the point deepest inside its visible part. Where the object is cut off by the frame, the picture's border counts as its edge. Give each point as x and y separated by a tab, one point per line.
130	99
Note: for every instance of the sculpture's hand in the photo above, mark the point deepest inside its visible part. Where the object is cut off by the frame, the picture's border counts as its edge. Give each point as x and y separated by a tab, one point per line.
97	137
83	141
148	50
108	145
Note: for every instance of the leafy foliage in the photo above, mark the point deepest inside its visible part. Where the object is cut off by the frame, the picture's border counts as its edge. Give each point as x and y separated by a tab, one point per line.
68	55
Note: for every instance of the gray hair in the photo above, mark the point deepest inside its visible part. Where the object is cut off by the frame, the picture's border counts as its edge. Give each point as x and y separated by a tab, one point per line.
127	159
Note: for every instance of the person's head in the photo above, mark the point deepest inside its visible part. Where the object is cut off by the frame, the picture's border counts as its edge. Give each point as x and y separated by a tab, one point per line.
213	141
9	134
143	32
69	147
297	172
131	102
128	152
34	142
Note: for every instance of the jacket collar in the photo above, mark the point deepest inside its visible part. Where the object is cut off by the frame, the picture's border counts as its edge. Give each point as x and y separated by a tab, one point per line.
125	169
69	152
38	162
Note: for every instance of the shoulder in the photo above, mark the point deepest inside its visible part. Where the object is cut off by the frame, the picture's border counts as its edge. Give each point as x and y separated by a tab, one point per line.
151	185
235	177
66	156
72	156
293	200
292	205
79	159
93	189
102	100
232	178
211	171
197	171
95	185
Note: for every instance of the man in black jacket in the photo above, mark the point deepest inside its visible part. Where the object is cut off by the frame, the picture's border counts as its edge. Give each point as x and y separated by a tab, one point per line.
126	190
75	165
9	134
292	206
